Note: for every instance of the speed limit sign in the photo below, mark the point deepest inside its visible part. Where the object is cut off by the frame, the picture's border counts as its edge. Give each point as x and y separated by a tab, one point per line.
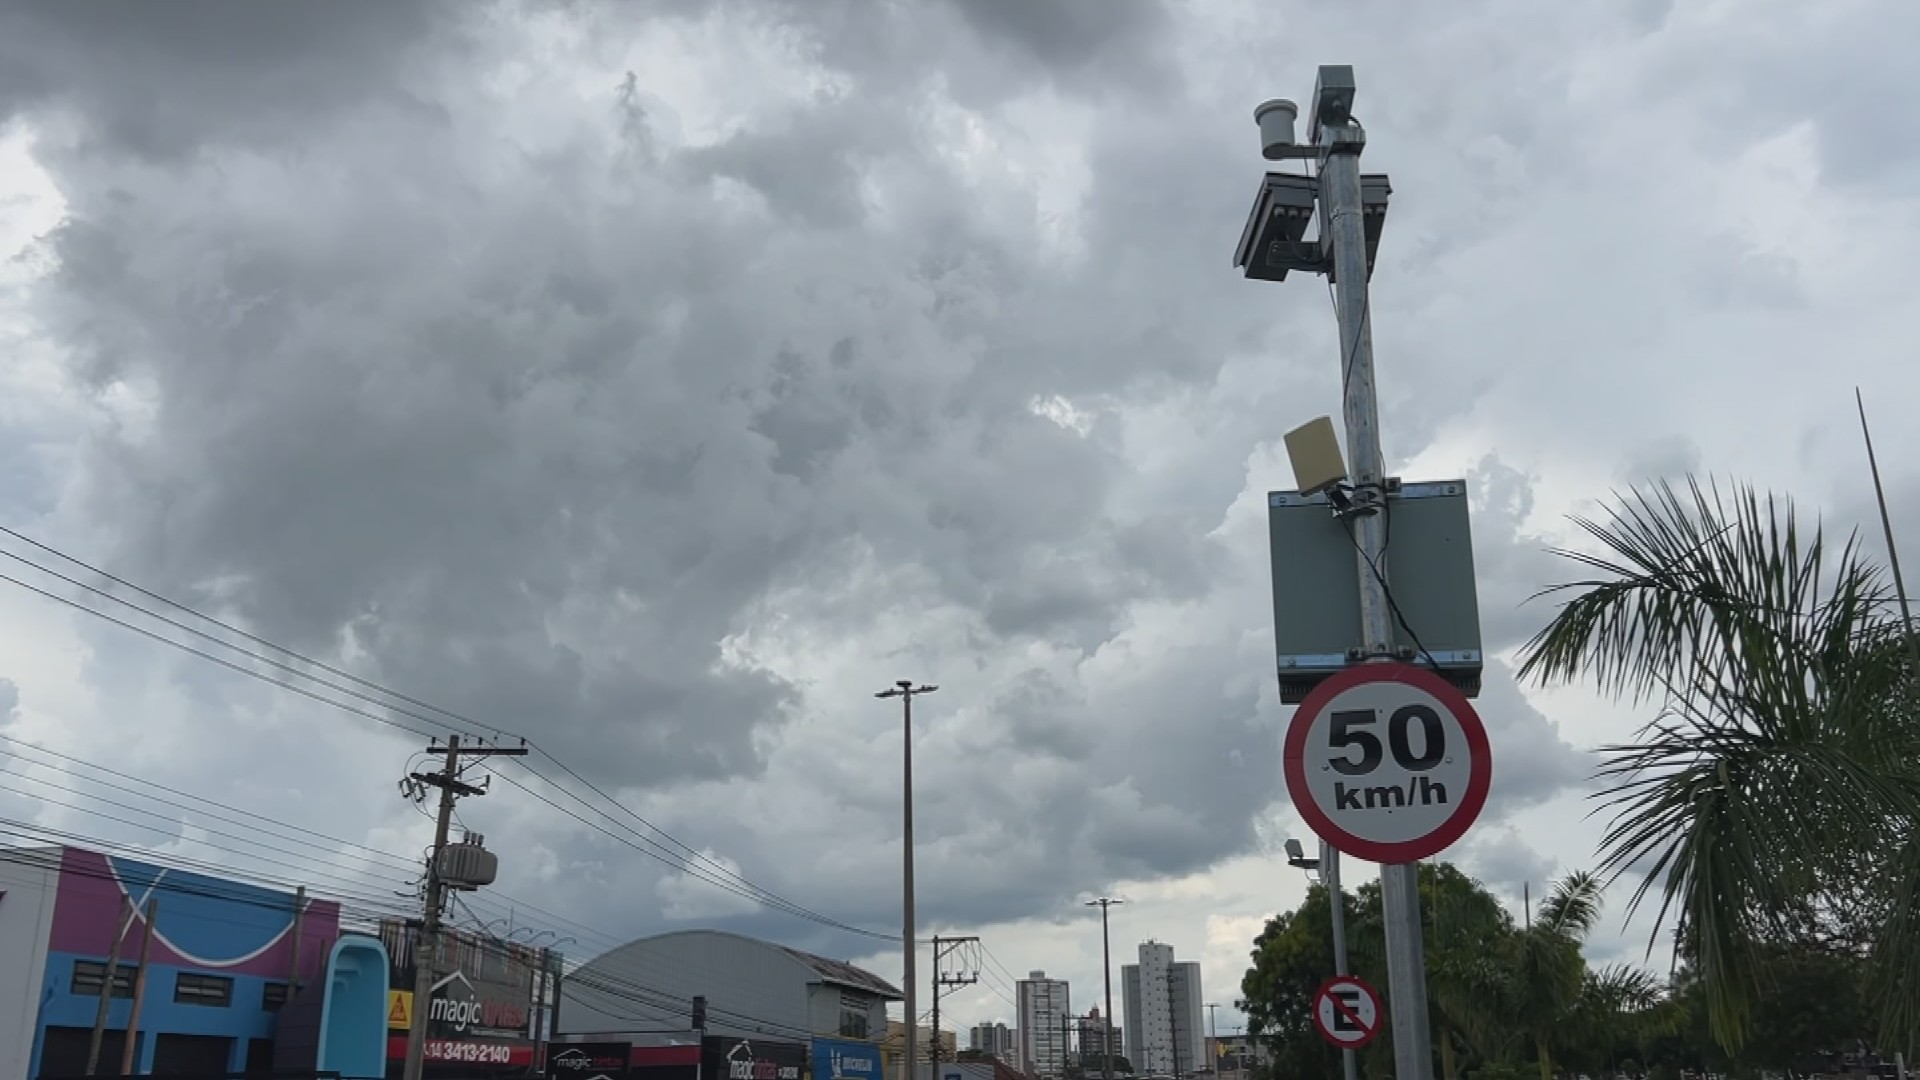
1387	762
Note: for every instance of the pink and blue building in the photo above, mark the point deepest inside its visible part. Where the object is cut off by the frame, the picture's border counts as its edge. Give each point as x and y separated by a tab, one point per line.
223	959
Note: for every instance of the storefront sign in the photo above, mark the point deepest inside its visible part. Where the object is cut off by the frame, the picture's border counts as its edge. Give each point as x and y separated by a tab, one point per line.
464	1051
588	1061
837	1059
752	1059
480	1010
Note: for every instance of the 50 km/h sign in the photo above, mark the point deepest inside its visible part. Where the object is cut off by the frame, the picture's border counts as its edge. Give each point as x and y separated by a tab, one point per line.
1387	762
1347	1012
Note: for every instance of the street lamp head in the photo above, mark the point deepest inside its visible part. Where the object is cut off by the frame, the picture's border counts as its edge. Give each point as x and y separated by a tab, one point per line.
1297	857
1276	119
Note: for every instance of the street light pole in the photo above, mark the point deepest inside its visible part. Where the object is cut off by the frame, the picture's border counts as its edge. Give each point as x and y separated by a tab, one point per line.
1106	973
905	690
1340	194
1337	900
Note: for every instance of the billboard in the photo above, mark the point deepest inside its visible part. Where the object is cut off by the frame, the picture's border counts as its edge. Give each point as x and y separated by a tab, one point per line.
480	1010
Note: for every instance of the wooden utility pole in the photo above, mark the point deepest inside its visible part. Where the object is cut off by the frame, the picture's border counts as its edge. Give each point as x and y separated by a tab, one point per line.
139	991
426	952
106	986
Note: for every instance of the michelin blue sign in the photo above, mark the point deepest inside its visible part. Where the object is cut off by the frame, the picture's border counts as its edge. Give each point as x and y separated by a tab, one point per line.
834	1059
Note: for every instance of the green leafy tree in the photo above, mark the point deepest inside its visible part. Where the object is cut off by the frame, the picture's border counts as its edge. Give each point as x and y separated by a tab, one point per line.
1292	957
1464	931
1781	758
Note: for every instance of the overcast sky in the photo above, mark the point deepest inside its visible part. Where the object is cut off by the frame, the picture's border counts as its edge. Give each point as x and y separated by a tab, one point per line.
661	379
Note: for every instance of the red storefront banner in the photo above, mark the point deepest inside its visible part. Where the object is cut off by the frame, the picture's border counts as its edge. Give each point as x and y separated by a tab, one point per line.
465	1051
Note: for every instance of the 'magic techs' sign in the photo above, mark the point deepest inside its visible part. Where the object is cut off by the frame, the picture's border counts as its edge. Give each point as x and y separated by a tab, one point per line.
752	1059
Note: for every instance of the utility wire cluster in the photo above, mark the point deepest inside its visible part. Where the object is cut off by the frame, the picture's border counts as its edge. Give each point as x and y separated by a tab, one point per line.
258	658
370	885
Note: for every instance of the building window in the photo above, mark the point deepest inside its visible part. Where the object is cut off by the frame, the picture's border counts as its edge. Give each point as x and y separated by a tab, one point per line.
853	1023
214	990
88	975
272	996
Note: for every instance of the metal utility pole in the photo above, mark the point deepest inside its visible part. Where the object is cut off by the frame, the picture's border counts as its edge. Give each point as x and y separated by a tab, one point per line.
942	948
1106	975
426	953
1272	246
905	690
1337	901
1066	1043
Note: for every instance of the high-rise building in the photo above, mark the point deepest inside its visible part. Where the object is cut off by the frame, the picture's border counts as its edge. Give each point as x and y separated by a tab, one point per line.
1091	1036
995	1039
1164	1004
1044	1012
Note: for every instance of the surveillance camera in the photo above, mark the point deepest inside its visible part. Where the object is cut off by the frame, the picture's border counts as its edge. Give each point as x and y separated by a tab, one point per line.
1295	852
1276	119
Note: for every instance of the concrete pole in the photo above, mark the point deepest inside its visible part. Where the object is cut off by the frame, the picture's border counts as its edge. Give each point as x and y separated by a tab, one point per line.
139	990
904	689
106	986
426	952
1340	199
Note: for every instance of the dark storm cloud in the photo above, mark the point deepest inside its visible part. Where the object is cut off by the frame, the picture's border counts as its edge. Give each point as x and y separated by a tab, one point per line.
981	50
540	431
161	78
542	413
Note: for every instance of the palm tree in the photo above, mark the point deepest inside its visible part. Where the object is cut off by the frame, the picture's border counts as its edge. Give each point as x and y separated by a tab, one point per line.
1546	968
1781	751
1621	1006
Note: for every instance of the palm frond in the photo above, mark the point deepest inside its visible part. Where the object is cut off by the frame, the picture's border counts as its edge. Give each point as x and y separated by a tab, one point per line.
1573	907
1700	579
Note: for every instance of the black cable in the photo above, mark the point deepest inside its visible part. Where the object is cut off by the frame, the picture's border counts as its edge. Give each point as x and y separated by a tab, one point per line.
399	860
585	974
228	664
768	897
305	869
1386	590
682	866
42	834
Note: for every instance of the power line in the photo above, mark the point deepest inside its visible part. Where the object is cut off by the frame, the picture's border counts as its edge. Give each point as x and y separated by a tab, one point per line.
760	894
401	861
72	760
306	867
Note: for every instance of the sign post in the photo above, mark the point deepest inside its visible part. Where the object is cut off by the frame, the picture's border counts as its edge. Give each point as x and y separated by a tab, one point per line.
1347	1012
1388	762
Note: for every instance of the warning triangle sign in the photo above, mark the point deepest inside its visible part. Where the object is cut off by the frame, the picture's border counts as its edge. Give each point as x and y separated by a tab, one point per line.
399	1013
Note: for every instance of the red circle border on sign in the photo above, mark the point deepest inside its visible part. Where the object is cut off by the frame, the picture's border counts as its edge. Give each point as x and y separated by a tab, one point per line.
1466	811
1379	1010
